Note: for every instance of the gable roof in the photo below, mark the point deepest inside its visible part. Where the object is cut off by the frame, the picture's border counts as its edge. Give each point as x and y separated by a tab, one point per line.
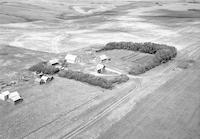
16	98
5	93
13	94
71	58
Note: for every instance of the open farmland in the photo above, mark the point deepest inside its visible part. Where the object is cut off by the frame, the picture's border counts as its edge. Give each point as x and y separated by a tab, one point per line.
161	103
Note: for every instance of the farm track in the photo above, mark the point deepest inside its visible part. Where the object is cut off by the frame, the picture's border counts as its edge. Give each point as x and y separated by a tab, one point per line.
102	111
98	117
60	116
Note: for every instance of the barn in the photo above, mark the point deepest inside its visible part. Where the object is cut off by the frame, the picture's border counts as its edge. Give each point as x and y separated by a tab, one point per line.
70	58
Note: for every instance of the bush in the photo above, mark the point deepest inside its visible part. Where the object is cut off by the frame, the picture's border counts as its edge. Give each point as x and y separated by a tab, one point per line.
185	64
120	79
91	79
44	68
163	53
138	69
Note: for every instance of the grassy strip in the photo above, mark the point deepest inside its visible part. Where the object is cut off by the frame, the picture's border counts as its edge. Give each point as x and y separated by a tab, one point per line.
163	53
44	68
92	79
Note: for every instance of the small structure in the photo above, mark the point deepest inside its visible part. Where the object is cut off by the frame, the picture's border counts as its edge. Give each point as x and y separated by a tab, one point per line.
4	95
104	58
46	78
100	68
53	62
14	97
72	58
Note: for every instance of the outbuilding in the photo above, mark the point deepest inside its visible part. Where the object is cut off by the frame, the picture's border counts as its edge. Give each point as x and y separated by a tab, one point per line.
53	62
100	68
70	58
46	78
14	97
4	95
104	58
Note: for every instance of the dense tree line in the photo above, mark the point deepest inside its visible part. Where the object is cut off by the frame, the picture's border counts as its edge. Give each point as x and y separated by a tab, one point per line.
162	52
92	79
44	68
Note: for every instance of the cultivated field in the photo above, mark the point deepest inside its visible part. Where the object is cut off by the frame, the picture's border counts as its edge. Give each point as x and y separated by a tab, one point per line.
124	59
161	103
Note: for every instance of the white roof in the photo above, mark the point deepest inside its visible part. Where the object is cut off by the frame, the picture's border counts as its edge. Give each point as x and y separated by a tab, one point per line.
100	66
45	78
53	61
6	93
13	94
103	57
15	98
70	56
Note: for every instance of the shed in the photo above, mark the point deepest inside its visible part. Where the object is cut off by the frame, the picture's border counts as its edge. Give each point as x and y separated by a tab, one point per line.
15	97
104	58
70	58
53	62
100	68
46	78
4	95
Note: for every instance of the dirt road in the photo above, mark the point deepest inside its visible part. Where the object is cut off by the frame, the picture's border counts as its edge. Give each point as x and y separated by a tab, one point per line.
171	112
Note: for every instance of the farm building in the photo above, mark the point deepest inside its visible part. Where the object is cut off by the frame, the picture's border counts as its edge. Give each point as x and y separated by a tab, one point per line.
53	62
46	79
104	58
100	68
15	97
72	58
4	95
